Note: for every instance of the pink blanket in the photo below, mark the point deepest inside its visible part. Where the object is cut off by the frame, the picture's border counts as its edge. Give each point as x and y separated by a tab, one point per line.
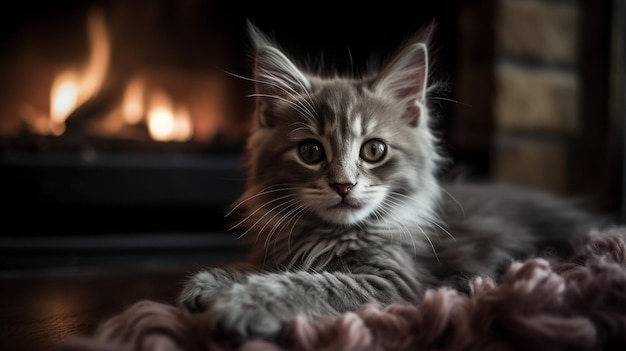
573	304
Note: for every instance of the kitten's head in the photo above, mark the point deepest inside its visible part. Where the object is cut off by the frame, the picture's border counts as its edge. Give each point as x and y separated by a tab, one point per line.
340	150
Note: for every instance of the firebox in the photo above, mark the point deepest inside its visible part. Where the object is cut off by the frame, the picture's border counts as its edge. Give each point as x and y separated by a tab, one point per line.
122	123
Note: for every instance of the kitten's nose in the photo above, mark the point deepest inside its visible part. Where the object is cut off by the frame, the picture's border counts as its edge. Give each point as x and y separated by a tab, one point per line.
342	188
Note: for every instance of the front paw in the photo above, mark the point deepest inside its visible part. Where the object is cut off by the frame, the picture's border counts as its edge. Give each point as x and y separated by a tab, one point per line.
202	287
244	313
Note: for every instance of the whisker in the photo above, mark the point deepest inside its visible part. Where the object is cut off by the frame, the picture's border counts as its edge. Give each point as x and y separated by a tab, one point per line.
453	199
263	191
285	88
288	205
430	242
288	89
416	223
304	126
257	210
426	218
450	100
388	208
295	106
295	208
291	91
260	232
301	212
286	216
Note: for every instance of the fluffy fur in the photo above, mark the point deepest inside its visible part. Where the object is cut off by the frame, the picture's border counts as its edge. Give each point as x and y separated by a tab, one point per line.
577	303
343	207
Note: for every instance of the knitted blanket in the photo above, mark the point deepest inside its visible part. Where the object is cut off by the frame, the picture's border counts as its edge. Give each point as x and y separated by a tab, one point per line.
577	303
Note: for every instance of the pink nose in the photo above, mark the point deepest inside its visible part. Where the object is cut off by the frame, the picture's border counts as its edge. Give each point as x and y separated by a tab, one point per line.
342	188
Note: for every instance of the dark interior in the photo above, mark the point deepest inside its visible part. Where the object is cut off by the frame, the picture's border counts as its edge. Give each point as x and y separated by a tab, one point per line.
93	223
82	186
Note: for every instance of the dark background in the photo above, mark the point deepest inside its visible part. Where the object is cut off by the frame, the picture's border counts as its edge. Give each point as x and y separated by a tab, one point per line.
147	191
157	188
90	226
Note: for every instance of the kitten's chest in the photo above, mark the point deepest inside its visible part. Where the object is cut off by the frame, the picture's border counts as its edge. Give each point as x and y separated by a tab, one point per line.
315	249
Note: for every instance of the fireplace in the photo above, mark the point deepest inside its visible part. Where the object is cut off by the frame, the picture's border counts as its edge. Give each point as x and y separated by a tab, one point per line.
122	123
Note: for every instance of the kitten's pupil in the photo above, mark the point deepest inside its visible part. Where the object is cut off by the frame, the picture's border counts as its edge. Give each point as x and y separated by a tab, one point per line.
373	150
311	151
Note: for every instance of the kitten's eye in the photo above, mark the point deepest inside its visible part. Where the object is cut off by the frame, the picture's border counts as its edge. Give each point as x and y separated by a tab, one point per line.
373	150
311	151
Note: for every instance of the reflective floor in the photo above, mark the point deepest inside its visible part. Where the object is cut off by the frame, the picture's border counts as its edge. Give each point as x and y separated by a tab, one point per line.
54	289
40	310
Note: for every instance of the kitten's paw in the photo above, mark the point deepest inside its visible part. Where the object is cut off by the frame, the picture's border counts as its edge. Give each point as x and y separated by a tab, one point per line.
243	313
202	287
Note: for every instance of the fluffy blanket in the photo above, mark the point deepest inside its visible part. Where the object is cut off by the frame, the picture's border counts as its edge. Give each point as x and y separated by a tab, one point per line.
573	304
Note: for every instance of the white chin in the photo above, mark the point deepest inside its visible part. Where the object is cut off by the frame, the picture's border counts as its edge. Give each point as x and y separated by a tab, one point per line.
344	215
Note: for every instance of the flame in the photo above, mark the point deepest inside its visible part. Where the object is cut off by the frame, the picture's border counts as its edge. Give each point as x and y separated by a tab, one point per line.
141	105
132	105
71	89
183	126
166	123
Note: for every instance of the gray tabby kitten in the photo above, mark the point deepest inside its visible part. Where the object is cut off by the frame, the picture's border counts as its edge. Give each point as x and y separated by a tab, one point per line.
343	205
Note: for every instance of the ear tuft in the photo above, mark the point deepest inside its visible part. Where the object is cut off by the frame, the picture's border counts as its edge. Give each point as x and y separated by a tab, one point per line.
275	73
406	75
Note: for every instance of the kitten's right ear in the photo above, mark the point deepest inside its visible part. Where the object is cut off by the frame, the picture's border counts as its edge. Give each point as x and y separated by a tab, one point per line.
274	74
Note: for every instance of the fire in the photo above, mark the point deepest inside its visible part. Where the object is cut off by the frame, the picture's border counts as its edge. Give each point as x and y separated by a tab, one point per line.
166	122
71	89
143	104
132	105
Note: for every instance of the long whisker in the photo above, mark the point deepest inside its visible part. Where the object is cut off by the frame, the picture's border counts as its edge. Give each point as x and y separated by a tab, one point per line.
295	209
450	100
388	208
303	126
453	199
397	203
295	106
300	214
286	89
287	205
279	83
297	102
260	232
263	191
430	242
257	210
393	196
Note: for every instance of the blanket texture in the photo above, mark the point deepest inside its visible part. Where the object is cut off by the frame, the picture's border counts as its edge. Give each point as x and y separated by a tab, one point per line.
578	303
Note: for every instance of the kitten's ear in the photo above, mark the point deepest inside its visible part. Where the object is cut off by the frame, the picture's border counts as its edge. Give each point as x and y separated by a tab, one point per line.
274	73
406	78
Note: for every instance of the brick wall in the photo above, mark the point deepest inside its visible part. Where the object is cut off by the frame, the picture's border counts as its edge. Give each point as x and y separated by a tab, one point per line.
537	92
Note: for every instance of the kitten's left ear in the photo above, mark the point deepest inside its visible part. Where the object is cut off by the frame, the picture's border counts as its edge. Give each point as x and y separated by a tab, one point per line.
406	78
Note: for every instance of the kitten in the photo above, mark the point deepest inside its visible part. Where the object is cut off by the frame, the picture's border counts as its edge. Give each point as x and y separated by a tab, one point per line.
343	206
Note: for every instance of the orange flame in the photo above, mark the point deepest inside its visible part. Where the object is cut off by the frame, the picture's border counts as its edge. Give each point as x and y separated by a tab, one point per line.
132	105
71	89
166	122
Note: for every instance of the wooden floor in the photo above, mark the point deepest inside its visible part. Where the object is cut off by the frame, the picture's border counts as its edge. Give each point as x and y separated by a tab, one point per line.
53	288
40	310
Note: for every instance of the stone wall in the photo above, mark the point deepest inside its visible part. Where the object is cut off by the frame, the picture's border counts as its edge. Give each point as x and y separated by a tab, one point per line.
537	92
